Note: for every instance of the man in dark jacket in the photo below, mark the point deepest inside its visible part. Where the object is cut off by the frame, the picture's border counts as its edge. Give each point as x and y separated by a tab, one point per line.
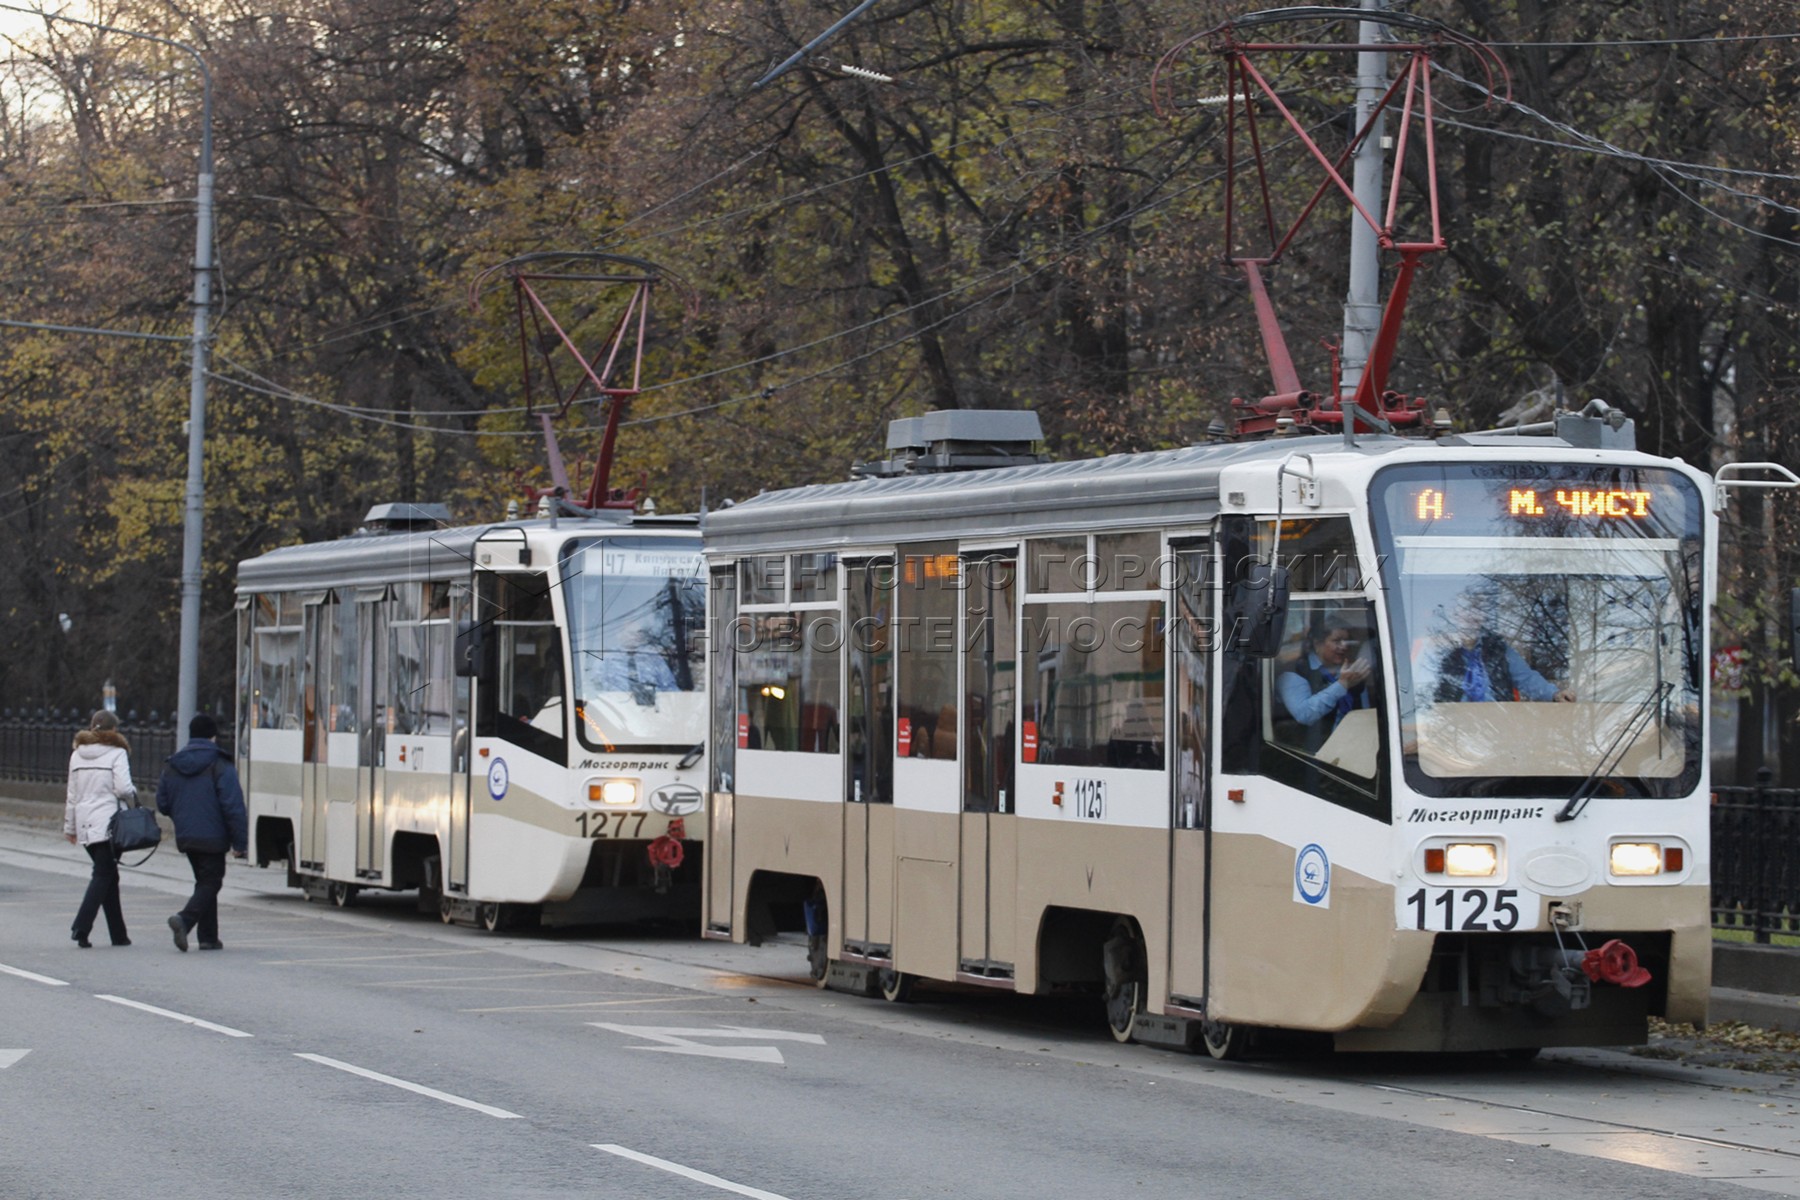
199	791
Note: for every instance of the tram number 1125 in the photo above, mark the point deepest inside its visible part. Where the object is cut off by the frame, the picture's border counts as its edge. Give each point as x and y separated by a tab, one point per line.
1087	799
1451	909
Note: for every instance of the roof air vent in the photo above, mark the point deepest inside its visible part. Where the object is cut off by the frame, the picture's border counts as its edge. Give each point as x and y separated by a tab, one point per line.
963	439
405	518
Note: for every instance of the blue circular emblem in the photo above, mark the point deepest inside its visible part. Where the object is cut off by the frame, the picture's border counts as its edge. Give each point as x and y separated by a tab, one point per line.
1312	873
497	779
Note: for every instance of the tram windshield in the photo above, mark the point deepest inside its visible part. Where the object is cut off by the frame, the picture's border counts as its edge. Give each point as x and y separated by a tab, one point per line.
637	612
1546	626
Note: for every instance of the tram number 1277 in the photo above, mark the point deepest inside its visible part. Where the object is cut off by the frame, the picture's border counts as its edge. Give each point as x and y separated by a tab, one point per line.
1450	909
595	825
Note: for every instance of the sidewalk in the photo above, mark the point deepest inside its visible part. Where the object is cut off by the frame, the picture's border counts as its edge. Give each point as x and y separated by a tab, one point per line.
1757	985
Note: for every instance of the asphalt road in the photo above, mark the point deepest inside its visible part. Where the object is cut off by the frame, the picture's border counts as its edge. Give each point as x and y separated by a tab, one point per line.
374	1051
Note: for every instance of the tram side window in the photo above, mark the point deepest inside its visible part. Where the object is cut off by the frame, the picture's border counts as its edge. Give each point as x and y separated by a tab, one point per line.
927	596
346	679
439	681
1192	659
788	681
990	681
459	598
277	640
763	580
722	630
1126	562
1323	695
1319	553
406	656
1310	715
1093	687
246	679
1059	564
423	692
815	577
523	703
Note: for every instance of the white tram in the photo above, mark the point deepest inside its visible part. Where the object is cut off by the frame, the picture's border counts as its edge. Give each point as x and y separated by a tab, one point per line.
1054	725
508	717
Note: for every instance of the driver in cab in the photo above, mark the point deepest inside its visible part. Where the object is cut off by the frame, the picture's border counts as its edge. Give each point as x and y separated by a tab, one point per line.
1329	679
1480	665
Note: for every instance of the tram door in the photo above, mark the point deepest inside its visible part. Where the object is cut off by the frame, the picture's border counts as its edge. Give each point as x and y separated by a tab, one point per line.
719	861
868	921
315	792
455	864
988	858
1190	651
372	745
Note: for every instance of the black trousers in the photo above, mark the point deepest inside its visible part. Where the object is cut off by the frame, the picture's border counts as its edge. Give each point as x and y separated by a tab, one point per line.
102	894
201	914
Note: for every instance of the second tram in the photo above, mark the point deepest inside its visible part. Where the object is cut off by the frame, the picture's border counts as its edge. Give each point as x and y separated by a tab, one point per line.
1395	740
508	717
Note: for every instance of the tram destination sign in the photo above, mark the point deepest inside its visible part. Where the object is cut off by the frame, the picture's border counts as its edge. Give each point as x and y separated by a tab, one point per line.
1431	504
1525	500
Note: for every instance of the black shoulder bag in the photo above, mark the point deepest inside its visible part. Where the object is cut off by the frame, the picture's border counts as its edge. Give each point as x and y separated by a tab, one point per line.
134	827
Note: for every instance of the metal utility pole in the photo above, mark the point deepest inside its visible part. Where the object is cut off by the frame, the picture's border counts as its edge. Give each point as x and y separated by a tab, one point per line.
194	522
193	525
1362	304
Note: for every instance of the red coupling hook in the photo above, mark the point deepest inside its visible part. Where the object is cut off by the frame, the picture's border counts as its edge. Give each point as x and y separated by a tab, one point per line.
667	850
1615	962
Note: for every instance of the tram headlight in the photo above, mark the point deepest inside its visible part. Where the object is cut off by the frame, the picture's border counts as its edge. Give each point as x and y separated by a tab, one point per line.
1471	859
618	792
1635	858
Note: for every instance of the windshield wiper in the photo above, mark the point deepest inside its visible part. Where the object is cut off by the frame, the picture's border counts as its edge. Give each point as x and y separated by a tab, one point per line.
1614	752
691	757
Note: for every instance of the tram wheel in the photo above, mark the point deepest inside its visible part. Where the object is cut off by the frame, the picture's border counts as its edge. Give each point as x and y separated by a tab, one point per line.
818	959
1123	963
896	986
1224	1041
491	916
446	913
342	894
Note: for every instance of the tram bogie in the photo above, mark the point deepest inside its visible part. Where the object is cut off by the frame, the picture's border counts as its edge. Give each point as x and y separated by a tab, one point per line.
1394	741
507	718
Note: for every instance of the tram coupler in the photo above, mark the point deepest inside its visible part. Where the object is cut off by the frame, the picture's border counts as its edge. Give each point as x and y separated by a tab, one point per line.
1547	980
858	979
458	911
1167	1033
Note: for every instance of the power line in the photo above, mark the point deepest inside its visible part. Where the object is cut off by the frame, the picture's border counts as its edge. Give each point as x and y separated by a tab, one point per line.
1722	39
1662	168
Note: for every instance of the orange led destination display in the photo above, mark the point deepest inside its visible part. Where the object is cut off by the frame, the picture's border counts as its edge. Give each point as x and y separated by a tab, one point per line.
1429	504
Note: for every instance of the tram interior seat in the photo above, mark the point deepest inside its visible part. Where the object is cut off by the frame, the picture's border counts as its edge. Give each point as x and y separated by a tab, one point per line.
943	737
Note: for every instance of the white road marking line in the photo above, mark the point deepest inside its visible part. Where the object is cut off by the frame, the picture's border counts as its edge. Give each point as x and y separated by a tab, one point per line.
378	959
34	976
227	1030
422	1090
627	1003
677	1041
9	1057
489	977
663	1164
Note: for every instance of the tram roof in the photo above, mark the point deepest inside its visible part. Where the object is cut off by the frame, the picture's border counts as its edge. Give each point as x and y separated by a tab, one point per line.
366	560
1118	490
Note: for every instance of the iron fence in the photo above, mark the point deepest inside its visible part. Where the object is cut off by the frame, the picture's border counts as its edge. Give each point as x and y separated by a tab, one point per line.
1756	859
35	747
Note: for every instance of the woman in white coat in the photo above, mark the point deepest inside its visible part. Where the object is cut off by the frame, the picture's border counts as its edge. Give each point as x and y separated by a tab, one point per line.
99	778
